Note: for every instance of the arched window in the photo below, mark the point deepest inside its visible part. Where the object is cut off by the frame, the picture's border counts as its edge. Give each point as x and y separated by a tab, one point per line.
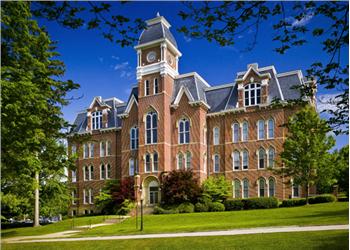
108	148
271	157
295	190
102	148
180	158
245	188
146	87
85	196
91	150
261	155
85	151
216	163
271	128
155	86
86	173
147	163
155	162
96	119
252	94
236	160
109	171
261	129
184	131
245	131
216	135
151	128
235	132
91	172
131	167
74	175
91	197
188	160
134	138
102	172
262	184
272	187
237	189
245	159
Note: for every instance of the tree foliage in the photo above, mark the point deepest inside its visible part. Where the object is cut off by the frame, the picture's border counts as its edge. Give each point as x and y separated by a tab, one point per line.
215	188
180	186
223	22
342	164
33	94
306	150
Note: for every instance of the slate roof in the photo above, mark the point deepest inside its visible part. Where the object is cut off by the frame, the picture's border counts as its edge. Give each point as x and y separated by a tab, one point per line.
114	121
193	83
156	31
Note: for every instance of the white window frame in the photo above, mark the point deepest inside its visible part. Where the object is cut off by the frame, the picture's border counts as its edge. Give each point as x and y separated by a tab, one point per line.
96	120
261	136
261	178
91	170
235	161
108	168
249	88
102	149
155	82
108	148
153	128
274	187
188	161
243	189
135	139
243	161
131	167
84	196
271	149
271	134
182	134
86	151
150	163
216	135
91	150
216	163
90	196
147	88
298	187
74	175
264	158
245	138
153	161
180	163
102	175
74	202
235	128
234	182
86	171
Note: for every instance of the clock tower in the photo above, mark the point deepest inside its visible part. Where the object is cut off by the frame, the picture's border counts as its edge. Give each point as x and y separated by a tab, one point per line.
157	68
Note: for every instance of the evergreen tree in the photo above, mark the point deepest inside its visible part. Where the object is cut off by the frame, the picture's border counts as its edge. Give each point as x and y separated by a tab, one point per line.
306	150
33	94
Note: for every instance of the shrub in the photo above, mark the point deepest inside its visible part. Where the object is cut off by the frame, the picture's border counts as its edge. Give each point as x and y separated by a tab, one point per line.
293	203
125	207
216	207
324	198
160	210
259	203
201	207
342	199
186	208
215	188
234	204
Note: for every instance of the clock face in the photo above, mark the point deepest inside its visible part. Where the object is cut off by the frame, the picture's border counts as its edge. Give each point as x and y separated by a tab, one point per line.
151	56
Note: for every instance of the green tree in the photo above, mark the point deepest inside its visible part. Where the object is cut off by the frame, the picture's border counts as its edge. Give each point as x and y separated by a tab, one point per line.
306	150
33	94
215	189
342	164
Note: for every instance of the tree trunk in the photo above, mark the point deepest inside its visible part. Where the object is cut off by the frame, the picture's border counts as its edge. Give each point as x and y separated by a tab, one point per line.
36	206
307	194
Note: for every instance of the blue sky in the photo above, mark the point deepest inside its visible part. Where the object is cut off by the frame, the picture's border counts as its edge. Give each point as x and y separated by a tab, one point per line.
103	68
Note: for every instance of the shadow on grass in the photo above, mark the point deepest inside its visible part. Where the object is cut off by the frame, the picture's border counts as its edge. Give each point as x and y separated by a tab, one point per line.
325	214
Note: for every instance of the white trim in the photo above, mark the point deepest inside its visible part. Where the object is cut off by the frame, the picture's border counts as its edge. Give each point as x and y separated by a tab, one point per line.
214	136
159	41
268	75
158	19
220	87
288	73
162	67
99	101
114	99
130	103
180	93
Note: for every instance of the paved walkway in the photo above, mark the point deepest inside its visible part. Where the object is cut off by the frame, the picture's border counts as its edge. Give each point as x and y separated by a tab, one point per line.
191	234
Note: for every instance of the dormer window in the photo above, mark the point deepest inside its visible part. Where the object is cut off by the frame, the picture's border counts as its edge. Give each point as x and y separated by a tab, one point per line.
96	120
252	94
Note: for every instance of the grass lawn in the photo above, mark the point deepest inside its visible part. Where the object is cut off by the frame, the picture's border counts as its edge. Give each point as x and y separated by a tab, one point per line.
301	240
317	214
53	228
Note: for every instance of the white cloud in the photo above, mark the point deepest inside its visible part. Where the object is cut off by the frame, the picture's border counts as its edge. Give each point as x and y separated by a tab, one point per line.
326	102
187	39
120	66
124	69
100	59
303	21
115	57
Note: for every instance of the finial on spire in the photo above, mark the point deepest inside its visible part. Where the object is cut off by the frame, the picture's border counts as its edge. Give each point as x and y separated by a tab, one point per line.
158	15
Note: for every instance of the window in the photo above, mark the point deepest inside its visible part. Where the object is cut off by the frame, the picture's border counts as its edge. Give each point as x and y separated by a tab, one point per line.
86	173
180	158
74	149
109	171
91	174
184	131
237	189
134	138
205	136
131	167
262	184
245	159
102	149
91	197
252	94
261	130
216	163
74	176
85	196
102	172
74	197
236	160
271	128
151	128
188	160
146	88
91	150
136	166
108	148
148	163
155	162
216	135
156	86
235	132
97	120
261	155
85	151
245	131
271	187
271	157
295	191
245	188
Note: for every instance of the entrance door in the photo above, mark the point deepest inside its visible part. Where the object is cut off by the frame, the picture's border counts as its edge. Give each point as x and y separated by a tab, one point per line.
153	195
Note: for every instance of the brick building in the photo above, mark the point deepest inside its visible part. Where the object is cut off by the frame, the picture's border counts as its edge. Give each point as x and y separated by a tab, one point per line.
173	121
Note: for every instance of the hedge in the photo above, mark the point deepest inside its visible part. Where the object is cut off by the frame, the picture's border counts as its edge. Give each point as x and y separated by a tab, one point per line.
159	210
185	208
201	207
251	203
324	198
293	202
216	207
